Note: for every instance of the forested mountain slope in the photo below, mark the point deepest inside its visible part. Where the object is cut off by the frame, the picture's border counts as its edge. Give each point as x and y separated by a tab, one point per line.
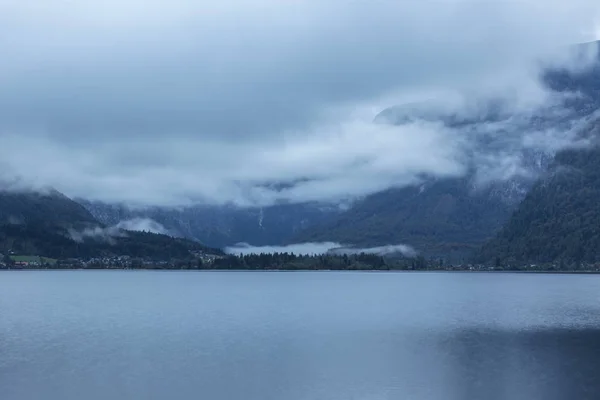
559	220
447	218
52	225
49	208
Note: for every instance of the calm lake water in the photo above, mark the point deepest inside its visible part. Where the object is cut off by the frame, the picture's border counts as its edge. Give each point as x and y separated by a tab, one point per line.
298	336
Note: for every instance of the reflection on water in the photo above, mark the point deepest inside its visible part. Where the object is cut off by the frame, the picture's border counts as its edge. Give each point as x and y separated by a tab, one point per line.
538	364
298	336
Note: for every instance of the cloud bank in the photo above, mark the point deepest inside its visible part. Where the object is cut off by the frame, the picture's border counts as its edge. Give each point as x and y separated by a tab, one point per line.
99	233
109	233
182	102
321	248
142	225
299	248
403	249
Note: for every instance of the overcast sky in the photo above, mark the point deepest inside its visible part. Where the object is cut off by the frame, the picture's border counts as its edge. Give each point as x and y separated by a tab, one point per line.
181	101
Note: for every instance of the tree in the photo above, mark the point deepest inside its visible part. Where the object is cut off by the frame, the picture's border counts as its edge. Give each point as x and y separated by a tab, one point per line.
420	262
7	260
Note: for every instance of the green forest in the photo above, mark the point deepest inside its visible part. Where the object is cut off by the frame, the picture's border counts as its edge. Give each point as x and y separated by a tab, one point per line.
30	239
559	220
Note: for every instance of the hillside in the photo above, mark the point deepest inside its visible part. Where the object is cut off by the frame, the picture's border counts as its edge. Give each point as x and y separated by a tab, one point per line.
559	219
54	243
441	218
52	225
49	208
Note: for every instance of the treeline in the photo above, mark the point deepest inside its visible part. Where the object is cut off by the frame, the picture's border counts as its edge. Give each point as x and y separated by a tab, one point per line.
290	261
275	261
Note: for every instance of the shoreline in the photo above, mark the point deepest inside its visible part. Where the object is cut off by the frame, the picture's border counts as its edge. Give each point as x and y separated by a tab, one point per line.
544	272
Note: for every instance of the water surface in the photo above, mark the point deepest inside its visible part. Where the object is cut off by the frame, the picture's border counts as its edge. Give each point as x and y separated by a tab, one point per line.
298	336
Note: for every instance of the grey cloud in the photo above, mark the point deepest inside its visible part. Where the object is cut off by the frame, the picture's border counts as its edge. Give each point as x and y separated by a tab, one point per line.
142	225
405	250
173	103
106	234
220	172
298	249
321	248
109	233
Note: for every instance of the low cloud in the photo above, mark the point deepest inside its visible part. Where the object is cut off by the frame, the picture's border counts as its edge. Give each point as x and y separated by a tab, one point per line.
386	250
142	225
155	103
98	233
333	162
318	248
299	248
109	234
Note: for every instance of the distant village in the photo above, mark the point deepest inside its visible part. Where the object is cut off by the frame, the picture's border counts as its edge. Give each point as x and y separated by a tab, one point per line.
14	261
203	260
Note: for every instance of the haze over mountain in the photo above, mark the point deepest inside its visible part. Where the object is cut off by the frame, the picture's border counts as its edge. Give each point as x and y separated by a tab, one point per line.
194	112
183	102
450	217
221	226
52	225
453	217
558	220
49	208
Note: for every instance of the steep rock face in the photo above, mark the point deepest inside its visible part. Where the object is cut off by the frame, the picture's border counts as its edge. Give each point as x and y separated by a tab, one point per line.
221	226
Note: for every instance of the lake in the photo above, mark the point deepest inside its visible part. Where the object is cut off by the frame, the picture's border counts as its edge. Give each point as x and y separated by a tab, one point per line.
298	335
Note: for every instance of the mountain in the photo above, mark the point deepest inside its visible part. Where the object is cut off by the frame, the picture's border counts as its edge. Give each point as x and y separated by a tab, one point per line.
558	221
451	217
220	226
52	225
443	218
31	239
439	217
50	208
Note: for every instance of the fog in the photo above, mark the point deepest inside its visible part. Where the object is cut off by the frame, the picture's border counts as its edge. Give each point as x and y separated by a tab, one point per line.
176	103
319	248
119	230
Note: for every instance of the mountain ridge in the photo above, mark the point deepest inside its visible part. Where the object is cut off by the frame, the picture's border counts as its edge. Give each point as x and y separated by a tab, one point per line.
50	224
443	217
221	226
